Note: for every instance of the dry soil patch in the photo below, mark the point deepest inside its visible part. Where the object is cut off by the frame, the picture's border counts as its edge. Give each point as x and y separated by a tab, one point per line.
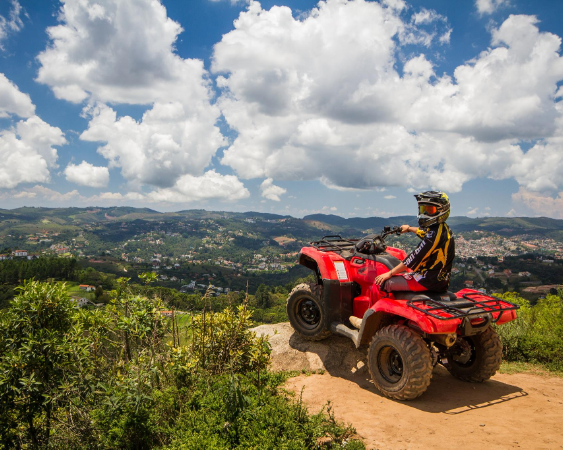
509	411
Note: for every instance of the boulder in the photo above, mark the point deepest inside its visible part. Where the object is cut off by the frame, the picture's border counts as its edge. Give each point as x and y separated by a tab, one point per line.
336	354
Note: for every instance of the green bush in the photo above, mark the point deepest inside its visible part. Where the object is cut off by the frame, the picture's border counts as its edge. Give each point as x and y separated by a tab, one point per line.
537	334
44	361
118	378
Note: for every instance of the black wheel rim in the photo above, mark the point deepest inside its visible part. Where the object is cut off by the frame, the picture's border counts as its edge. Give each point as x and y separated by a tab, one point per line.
390	364
308	313
462	360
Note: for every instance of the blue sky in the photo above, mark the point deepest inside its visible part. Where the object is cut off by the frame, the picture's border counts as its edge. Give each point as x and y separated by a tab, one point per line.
295	107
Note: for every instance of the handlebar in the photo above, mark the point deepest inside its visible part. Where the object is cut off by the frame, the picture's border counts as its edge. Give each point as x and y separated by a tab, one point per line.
369	245
387	231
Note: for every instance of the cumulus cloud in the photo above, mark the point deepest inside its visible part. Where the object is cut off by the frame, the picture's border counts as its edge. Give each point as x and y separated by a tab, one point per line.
12	24
489	6
87	174
27	147
122	52
27	152
169	142
425	16
541	204
389	197
270	191
39	192
209	186
232	2
13	101
362	123
118	52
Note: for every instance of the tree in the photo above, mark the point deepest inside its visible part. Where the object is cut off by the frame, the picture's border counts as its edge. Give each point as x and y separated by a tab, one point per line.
98	292
493	283
263	296
41	355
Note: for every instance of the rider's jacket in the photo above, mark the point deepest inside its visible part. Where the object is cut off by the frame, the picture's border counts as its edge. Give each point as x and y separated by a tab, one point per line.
432	260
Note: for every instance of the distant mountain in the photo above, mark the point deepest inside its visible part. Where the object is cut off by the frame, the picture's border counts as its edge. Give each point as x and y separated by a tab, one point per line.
508	225
360	223
91	215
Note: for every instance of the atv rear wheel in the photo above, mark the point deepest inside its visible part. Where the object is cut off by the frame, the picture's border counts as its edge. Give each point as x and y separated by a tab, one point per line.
475	358
306	312
399	362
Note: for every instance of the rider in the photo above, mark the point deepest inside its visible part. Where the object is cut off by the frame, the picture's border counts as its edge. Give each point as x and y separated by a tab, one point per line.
431	262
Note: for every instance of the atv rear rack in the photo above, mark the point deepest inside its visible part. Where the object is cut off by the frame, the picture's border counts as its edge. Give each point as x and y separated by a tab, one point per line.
463	307
334	243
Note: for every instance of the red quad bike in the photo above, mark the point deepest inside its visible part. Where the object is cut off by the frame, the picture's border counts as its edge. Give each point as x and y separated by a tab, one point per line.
408	333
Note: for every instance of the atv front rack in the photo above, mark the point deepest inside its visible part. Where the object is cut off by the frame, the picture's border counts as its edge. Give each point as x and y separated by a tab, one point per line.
334	243
467	306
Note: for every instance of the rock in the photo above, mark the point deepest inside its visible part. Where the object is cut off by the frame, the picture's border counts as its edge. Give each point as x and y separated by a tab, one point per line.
336	354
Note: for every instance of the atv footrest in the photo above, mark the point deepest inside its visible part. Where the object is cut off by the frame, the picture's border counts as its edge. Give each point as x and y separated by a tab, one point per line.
470	305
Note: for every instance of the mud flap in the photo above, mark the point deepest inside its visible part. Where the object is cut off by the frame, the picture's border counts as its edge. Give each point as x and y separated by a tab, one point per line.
338	300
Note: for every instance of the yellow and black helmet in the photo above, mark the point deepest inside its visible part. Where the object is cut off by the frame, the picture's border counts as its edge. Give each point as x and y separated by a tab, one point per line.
433	207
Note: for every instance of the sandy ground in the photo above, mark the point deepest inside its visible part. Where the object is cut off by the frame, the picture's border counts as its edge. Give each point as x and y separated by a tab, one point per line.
509	411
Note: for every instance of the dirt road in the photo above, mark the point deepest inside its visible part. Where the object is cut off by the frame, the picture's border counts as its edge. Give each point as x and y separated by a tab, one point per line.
509	411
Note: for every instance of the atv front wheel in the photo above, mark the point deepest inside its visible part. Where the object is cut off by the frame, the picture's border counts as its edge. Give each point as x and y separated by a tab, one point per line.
306	312
399	363
475	358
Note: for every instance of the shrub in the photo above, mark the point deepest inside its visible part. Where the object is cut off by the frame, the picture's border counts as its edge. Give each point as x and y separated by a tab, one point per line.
44	359
537	334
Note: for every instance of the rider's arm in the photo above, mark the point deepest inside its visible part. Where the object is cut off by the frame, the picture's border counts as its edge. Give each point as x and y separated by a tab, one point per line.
398	269
380	279
407	228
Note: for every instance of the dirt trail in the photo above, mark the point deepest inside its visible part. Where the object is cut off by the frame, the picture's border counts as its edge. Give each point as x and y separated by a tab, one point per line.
509	411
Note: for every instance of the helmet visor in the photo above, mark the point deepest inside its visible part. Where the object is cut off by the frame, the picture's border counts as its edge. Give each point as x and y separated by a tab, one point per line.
427	209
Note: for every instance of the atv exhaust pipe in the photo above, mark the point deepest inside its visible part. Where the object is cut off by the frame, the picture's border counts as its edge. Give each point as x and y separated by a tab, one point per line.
447	340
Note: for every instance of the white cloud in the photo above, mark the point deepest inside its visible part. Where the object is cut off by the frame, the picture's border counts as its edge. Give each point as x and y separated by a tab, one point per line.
362	124
233	2
27	147
87	174
472	211
12	24
490	6
169	142
543	205
211	185
271	191
122	52
389	197
398	5
118	52
39	192
13	101
426	16
27	152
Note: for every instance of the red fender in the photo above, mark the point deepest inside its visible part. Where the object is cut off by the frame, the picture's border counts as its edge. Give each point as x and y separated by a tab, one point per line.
325	262
426	323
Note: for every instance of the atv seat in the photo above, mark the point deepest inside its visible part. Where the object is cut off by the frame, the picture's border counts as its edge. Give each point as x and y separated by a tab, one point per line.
386	259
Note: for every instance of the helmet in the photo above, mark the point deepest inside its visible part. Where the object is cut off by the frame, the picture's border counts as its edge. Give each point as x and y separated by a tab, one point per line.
433	207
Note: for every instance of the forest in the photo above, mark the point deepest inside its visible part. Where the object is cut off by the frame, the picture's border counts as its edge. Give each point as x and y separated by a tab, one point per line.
127	377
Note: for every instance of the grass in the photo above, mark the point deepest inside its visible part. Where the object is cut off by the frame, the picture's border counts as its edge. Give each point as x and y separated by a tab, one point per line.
512	367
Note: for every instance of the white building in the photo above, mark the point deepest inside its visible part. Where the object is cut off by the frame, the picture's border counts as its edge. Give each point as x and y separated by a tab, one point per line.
80	302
